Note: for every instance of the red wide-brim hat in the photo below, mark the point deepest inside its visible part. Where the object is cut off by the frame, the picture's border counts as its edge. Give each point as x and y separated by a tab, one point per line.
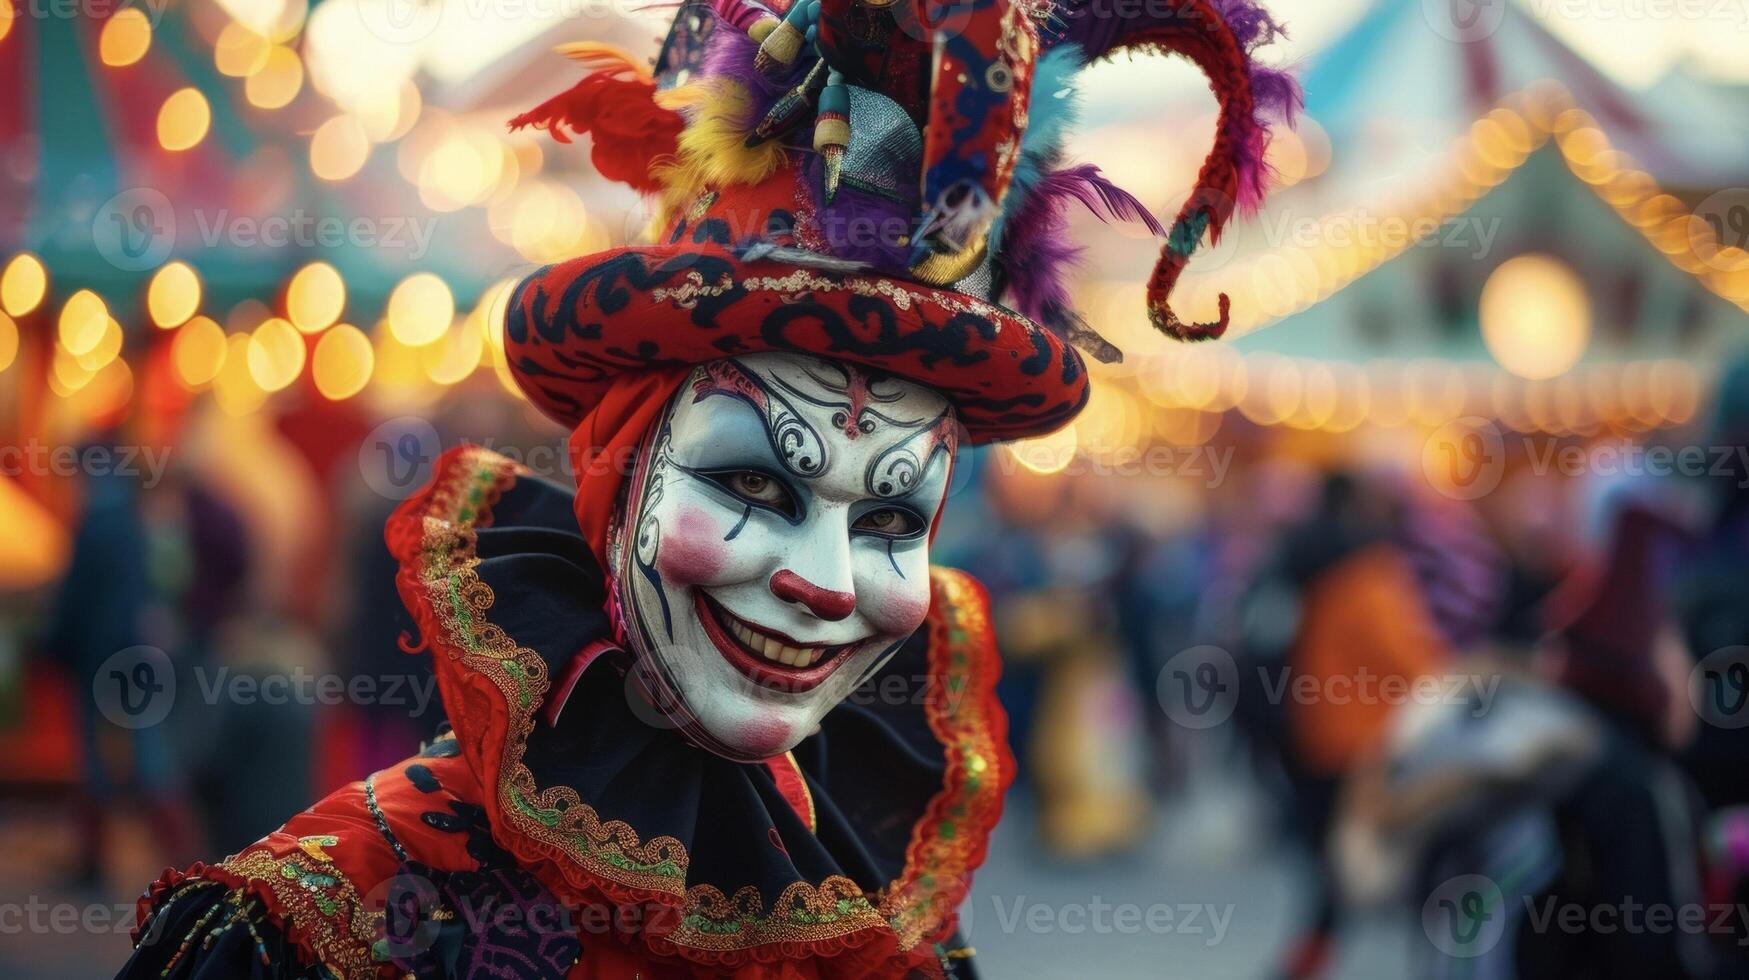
835	179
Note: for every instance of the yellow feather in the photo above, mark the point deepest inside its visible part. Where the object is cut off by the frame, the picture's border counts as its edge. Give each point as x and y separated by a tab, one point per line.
712	151
596	56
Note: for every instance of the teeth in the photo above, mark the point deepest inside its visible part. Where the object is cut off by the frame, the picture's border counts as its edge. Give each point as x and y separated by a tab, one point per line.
773	650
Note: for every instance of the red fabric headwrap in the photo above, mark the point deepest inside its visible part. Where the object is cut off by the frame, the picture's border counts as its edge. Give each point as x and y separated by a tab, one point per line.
605	445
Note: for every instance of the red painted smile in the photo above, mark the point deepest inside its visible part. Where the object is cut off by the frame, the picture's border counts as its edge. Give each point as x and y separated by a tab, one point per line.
767	657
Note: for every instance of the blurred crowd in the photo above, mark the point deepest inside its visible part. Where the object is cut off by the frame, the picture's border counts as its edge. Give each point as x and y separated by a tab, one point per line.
1489	716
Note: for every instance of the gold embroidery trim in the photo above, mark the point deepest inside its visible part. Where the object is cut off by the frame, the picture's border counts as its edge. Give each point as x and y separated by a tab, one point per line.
557	817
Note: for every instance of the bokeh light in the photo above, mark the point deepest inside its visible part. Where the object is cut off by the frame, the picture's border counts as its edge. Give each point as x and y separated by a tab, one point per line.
275	355
198	352
23	284
316	297
84	319
341	365
174	295
420	309
125	39
184	119
1536	317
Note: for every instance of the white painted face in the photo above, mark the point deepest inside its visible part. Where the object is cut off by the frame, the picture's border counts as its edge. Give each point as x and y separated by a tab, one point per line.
777	546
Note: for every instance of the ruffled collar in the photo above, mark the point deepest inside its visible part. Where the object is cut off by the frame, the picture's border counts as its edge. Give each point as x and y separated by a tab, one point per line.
902	784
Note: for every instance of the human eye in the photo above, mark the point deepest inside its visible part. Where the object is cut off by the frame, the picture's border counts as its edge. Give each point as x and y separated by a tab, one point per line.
756	487
890	522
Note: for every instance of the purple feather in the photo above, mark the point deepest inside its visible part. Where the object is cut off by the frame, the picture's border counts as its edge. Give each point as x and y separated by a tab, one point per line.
1038	253
1274	92
861	225
728	54
1098	194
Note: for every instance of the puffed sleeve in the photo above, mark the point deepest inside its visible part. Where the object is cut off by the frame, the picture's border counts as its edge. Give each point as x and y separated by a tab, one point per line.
204	931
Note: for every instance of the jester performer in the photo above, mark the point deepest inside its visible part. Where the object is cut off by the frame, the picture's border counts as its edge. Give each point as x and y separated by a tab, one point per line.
713	713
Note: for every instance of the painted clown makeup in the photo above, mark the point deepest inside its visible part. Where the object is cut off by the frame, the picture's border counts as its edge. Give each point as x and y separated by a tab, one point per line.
776	546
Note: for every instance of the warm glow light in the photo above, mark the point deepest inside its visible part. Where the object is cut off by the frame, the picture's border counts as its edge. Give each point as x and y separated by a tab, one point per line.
420	309
339	148
1536	318
240	52
276	354
23	284
174	295
125	38
184	119
107	348
455	355
234	388
66	376
106	393
342	362
315	298
278	81
1044	454
6	16
198	352
8	341
83	321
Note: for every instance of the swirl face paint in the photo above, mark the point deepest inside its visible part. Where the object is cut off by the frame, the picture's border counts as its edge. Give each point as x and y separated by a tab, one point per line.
774	549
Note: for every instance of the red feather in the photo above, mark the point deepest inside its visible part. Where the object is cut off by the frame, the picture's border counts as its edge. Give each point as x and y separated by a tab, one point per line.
615	104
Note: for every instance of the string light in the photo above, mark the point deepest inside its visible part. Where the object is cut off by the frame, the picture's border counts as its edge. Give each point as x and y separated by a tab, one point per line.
174	295
198	352
184	119
23	284
125	39
315	298
341	365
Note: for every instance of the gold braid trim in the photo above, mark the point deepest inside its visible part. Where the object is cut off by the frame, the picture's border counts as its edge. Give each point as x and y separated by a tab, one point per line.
940	854
319	906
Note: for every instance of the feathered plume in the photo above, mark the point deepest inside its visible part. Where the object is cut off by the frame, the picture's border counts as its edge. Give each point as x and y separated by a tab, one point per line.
1219	37
615	104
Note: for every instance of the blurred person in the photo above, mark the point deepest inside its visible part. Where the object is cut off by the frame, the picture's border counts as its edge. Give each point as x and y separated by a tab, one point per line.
1496	821
112	602
1360	618
657	767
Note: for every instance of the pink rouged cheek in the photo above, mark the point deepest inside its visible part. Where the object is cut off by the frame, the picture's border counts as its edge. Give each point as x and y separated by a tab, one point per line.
765	735
692	551
896	609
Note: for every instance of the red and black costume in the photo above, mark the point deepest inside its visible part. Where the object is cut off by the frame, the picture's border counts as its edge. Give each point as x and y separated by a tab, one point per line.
564	829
